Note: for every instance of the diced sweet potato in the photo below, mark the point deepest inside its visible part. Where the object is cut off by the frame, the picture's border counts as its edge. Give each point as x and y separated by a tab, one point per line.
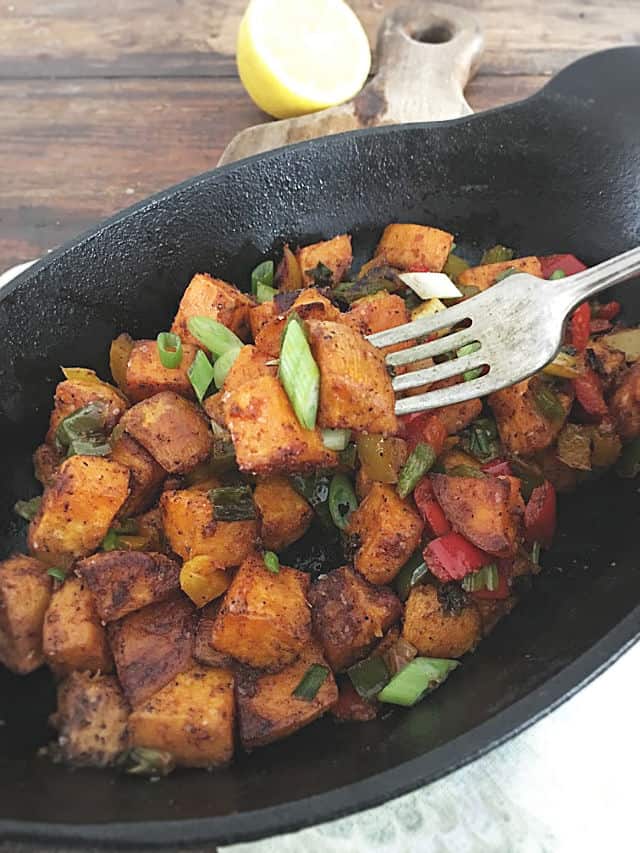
349	615
250	364
260	315
488	511
146	475
264	619
309	304
206	296
523	429
388	530
376	313
147	376
484	276
335	254
285	514
267	708
288	274
75	394
46	460
266	433
437	632
124	581
91	720
625	405
172	430
355	388
72	636
77	509
152	645
192	718
203	651
420	246
25	592
192	530
214	408
457	416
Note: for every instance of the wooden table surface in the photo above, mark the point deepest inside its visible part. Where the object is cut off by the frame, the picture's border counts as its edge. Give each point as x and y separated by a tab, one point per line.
104	103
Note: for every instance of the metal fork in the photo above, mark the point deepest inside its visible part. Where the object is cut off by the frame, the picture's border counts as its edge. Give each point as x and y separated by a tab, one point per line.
518	324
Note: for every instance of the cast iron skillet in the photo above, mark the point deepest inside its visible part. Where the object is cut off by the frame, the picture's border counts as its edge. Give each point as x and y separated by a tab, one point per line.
559	172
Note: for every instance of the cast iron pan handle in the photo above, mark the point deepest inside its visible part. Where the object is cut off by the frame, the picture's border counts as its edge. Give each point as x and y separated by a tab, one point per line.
426	56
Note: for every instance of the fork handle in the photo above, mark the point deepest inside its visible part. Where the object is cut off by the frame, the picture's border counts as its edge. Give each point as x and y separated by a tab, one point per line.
585	284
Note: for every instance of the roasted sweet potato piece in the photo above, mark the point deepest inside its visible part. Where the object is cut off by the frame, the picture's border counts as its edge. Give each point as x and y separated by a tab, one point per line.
25	592
457	416
388	530
488	511
267	708
146	375
124	581
203	651
264	619
172	430
288	274
192	530
420	246
484	276
91	720
146	475
73	394
260	315
214	408
335	254
266	433
625	405
607	362
285	514
309	304
206	296
349	615
355	388
72	636
523	429
77	509
250	364
376	313
439	632
152	645
46	460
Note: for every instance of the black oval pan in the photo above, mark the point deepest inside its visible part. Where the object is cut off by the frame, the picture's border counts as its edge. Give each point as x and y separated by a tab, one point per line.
559	172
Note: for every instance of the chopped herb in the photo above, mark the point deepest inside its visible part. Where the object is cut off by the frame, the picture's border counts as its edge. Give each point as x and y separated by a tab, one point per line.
311	682
262	275
453	599
201	375
169	349
419	462
321	274
58	574
480	439
342	500
369	676
27	509
378	279
548	403
232	503
419	677
413	571
272	562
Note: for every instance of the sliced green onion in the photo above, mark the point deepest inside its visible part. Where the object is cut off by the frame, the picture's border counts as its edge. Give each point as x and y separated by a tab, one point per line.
299	373
232	503
262	274
506	273
111	541
223	365
413	571
311	682
142	761
548	403
200	374
264	293
169	349
83	431
213	335
419	677
497	254
335	439
556	274
466	471
342	500
485	578
535	553
369	676
58	574
629	463
27	509
467	349
272	562
419	462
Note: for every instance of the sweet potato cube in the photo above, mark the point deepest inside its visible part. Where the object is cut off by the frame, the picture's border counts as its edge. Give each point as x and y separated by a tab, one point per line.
388	530
211	297
523	429
355	388
487	512
74	394
25	592
309	304
192	530
260	315
146	476
203	651
415	246
124	581
147	376
484	276
191	717
46	461
151	646
376	313
335	254
437	631
264	619
172	430
349	615
72	636
285	514
91	720
250	364
77	509
266	433
267	708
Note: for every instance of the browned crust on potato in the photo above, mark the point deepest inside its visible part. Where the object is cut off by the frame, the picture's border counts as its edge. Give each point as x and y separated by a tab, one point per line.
25	592
147	376
407	245
146	476
206	296
335	254
435	632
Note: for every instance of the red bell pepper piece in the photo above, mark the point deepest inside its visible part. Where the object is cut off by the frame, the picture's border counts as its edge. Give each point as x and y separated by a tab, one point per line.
569	264
502	590
498	468
588	388
579	327
540	515
424	427
609	310
417	268
599	324
451	557
435	520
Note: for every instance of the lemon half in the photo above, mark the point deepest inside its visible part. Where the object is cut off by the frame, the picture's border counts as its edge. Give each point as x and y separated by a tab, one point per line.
299	56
